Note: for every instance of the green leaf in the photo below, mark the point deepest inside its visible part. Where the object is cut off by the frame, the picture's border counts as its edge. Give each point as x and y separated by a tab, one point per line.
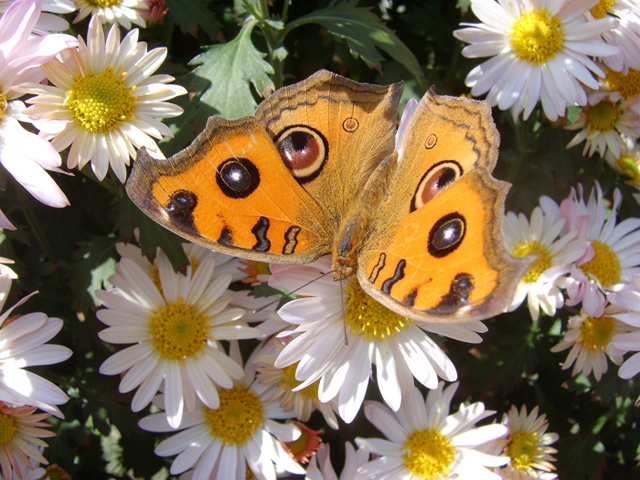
228	71
95	264
364	34
193	13
151	235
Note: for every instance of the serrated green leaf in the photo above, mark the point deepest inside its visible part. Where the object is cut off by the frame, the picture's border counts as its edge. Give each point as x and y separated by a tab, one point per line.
364	34
193	13
151	235
229	70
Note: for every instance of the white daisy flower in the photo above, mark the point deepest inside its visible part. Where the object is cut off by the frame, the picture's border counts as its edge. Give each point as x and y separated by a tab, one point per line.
628	162
176	328
625	36
628	300
219	444
121	12
105	102
23	344
23	154
195	255
320	467
528	446
604	125
21	434
49	19
425	441
7	275
283	380
614	256
590	335
540	53
341	332
619	86
541	236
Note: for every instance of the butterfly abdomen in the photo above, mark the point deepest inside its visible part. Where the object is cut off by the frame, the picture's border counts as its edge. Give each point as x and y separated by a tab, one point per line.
357	222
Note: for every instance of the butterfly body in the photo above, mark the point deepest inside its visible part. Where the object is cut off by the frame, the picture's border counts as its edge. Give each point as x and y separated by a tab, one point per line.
317	171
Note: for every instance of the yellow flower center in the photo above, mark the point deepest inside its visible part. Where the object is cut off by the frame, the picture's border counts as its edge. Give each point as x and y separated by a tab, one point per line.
629	167
428	454
536	36
628	85
523	449
605	265
239	416
602	8
101	101
602	116
539	265
289	381
104	3
178	331
596	333
369	318
7	428
4	104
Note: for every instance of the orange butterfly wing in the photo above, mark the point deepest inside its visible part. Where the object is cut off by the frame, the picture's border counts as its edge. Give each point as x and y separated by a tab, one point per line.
230	191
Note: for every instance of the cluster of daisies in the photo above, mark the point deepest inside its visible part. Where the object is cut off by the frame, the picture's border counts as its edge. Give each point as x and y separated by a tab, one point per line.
564	54
181	333
97	98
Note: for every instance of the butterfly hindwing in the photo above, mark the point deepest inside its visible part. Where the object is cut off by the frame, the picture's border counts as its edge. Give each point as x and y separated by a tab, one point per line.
435	250
437	263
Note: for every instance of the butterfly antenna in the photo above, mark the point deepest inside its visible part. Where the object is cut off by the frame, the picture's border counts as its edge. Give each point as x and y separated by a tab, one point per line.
292	292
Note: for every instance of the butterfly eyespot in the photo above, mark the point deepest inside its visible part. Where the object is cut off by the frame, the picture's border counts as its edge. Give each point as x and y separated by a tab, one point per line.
436	179
237	177
304	151
180	208
446	235
430	142
350	125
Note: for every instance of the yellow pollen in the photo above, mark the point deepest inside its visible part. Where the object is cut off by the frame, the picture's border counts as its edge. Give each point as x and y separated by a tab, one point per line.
7	428
602	8
627	85
249	474
539	265
178	331
101	101
104	3
536	36
523	449
605	265
596	333
629	167
370	319
602	116
239	416
428	454
4	104
289	382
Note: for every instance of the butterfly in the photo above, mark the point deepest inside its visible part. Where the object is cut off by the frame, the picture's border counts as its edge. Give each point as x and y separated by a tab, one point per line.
318	170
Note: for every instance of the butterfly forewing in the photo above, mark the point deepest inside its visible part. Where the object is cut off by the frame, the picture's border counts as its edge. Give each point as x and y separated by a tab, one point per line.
230	191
